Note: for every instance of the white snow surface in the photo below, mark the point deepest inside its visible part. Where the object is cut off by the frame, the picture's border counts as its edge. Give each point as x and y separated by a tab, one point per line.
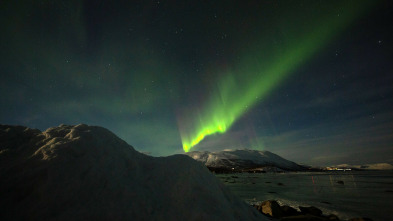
239	156
87	173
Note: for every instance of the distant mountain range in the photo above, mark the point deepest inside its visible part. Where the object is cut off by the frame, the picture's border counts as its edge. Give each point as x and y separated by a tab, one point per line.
244	160
376	166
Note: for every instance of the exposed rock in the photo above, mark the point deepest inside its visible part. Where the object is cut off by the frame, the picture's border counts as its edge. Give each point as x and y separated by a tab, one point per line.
286	213
289	211
333	217
310	210
306	217
271	208
360	219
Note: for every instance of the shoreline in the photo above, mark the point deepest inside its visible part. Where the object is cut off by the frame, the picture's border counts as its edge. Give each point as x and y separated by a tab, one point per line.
280	211
344	194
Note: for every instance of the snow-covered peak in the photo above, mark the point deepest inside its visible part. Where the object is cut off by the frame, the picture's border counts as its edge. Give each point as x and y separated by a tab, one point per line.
243	158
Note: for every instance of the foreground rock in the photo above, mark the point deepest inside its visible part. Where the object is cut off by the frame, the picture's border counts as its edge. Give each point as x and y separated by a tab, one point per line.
310	210
271	208
289	211
87	173
307	217
361	219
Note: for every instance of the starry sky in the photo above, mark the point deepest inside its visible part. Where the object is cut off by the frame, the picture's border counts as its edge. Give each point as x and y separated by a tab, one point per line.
311	81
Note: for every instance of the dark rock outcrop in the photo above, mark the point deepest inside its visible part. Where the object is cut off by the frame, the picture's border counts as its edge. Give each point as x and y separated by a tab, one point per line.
360	219
332	217
270	208
289	211
310	210
306	217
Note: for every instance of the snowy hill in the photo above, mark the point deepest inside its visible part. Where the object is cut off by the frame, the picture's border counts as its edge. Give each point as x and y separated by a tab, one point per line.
244	159
88	173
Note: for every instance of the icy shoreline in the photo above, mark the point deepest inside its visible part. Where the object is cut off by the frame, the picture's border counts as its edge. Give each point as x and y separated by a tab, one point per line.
347	195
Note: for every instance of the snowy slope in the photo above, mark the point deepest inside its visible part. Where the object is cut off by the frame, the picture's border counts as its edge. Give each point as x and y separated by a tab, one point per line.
87	173
243	159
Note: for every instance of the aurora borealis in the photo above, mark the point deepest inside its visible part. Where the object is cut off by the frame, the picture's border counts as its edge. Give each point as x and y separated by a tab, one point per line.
233	99
308	80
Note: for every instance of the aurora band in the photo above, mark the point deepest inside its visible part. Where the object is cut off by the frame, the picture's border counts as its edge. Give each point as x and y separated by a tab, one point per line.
250	83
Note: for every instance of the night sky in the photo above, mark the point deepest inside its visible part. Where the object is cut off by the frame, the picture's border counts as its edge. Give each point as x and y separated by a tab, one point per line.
311	81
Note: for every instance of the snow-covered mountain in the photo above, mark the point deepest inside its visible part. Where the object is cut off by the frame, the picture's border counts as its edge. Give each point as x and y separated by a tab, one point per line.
244	159
88	173
376	166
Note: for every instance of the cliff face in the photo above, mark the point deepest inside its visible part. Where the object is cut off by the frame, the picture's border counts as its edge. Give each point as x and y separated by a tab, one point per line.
87	173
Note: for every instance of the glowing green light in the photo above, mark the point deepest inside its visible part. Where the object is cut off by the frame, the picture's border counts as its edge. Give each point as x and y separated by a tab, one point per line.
236	94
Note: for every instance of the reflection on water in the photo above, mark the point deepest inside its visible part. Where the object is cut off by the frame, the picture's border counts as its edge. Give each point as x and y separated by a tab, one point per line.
347	194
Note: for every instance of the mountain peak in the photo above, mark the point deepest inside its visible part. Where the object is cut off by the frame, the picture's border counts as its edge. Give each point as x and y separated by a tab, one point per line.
243	159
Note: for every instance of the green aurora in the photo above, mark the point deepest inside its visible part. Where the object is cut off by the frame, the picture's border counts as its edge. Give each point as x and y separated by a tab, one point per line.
258	74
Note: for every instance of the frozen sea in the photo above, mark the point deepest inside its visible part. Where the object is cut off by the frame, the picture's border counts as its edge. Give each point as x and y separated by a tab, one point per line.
360	194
